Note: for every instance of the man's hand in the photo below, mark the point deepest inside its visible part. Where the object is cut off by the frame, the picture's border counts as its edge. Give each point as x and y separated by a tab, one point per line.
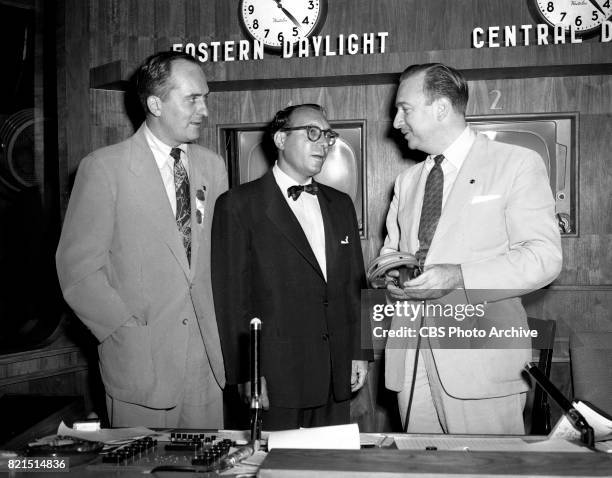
244	389
359	371
391	279
435	282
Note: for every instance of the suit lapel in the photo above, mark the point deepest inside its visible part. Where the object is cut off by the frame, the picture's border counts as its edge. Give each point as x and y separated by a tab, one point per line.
283	218
152	197
197	180
410	209
463	189
331	237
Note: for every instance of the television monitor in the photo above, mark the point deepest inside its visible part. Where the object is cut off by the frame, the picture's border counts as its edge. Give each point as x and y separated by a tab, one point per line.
250	154
554	138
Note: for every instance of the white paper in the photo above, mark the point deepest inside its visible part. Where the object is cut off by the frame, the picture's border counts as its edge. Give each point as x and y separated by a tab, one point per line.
605	446
106	435
338	437
601	425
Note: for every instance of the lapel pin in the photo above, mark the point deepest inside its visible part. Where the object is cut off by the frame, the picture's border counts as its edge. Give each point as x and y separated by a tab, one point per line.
472	181
345	240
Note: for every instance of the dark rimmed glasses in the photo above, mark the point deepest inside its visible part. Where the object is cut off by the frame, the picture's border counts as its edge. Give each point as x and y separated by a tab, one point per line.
314	133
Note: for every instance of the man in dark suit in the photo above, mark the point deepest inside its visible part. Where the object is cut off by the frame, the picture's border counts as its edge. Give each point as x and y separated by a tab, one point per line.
287	250
134	256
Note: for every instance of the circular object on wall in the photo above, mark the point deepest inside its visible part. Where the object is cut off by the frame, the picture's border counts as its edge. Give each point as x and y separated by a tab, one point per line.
274	22
18	162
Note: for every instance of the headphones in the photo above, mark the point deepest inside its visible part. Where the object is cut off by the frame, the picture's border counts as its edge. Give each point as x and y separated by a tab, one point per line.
407	264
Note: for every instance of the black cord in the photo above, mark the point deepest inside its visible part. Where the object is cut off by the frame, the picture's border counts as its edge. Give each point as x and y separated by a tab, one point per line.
179	468
414	372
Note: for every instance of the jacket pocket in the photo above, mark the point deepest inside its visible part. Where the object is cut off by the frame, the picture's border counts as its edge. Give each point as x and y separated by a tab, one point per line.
126	361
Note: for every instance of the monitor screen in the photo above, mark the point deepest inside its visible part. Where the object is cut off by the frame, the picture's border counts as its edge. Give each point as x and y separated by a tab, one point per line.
553	137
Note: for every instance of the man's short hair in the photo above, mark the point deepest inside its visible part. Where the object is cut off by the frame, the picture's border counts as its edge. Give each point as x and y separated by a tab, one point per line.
441	81
151	78
282	117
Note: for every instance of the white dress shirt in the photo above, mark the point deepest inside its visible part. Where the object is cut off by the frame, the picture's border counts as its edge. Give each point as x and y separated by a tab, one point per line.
454	156
165	163
308	213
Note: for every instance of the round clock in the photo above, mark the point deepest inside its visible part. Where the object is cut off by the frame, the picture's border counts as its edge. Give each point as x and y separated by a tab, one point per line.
276	21
583	16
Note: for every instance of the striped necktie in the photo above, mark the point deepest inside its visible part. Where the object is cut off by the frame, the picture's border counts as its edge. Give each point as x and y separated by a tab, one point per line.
432	208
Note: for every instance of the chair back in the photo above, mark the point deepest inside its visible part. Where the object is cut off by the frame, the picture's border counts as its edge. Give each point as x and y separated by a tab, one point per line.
591	362
539	418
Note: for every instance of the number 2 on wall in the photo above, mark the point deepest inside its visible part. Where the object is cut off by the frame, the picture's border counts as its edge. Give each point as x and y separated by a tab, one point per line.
496	97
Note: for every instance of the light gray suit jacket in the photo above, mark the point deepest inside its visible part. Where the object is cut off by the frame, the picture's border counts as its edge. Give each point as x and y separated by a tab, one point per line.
121	255
498	223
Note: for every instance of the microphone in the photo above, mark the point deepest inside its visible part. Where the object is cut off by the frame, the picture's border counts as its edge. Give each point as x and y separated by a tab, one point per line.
587	435
256	406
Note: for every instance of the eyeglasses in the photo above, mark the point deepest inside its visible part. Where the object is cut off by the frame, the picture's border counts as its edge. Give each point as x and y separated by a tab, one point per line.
314	133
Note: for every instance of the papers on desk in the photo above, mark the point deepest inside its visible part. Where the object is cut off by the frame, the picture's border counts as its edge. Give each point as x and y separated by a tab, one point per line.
602	426
463	443
109	436
339	437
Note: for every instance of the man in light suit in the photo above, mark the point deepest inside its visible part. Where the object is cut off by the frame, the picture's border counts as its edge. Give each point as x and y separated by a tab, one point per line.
134	256
479	216
287	250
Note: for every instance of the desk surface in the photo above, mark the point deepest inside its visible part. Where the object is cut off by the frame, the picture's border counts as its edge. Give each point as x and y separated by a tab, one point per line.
394	463
376	462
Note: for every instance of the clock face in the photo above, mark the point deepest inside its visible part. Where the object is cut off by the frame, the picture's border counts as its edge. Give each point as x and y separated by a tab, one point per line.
581	15
276	21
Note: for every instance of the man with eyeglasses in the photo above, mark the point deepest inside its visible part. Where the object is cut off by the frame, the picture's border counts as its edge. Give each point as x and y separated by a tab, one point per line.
286	249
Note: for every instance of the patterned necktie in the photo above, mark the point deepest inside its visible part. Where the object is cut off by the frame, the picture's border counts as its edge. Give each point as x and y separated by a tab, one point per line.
183	201
432	207
295	191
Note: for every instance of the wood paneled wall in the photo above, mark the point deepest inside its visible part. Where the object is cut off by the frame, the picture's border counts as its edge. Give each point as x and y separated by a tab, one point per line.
132	29
587	258
127	31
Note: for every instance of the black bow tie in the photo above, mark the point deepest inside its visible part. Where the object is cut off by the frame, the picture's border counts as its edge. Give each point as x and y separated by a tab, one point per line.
295	191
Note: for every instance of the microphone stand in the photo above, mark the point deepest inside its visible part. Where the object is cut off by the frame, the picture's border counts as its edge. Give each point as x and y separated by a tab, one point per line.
247	450
587	435
256	406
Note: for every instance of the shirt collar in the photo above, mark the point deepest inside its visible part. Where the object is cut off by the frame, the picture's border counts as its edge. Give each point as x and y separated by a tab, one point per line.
459	149
160	149
283	180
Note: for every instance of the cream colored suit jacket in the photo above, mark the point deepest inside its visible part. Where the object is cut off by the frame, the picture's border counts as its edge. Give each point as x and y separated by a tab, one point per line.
121	255
498	223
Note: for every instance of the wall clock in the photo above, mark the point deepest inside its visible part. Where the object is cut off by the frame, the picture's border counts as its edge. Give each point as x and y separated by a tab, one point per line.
276	21
584	16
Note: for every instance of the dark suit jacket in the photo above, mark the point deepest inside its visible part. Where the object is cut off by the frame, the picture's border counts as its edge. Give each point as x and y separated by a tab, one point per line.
263	266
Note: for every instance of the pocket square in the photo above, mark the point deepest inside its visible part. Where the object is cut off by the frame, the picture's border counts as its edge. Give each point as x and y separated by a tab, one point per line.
345	240
485	198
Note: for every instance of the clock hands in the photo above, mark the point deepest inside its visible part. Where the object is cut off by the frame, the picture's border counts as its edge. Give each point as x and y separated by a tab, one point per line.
287	13
597	6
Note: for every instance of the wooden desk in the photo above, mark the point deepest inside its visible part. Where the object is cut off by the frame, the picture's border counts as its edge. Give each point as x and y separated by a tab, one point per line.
377	462
386	463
